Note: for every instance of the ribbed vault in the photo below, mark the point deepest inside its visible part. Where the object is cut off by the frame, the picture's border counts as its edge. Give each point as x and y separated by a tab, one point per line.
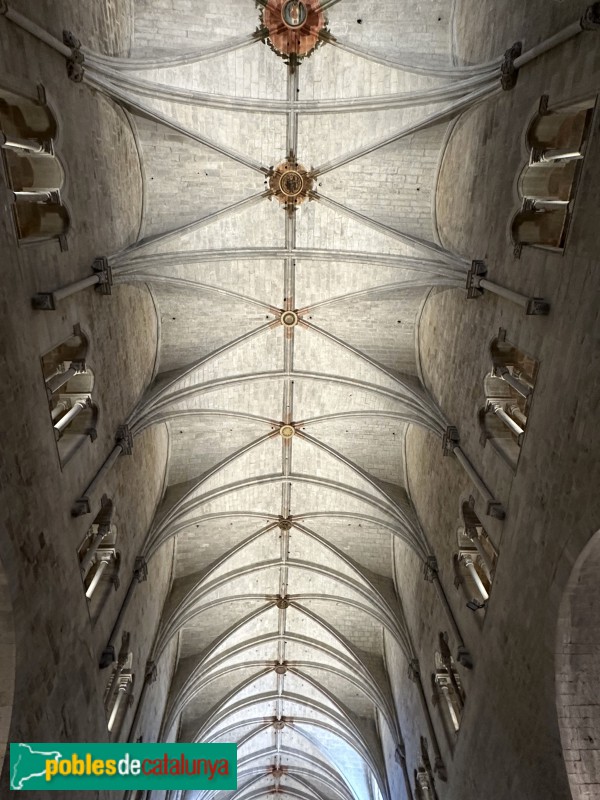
287	375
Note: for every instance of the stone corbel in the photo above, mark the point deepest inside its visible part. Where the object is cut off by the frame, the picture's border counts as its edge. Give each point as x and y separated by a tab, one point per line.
400	753
509	74
124	439
414	670
450	440
75	68
430	569
590	21
151	672
478	270
140	569
104	272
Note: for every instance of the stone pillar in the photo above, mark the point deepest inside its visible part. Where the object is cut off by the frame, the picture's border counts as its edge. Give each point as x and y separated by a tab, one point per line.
451	447
431	573
74	411
100	570
401	759
103	520
540	156
123	445
518	415
468	562
414	673
150	676
477	283
521	388
59	379
59	408
101	279
14	143
140	574
487	564
508	421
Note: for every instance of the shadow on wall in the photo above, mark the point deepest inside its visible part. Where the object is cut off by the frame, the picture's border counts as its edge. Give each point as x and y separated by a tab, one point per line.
7	666
578	673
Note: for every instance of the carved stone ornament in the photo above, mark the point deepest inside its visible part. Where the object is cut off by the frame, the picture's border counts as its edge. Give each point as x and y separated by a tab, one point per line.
294	26
290	183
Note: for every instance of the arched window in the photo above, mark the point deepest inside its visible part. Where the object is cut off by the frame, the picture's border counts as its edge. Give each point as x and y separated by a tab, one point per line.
554	135
37	174
34	174
118	695
543	227
475	560
548	183
25	123
448	693
508	390
99	560
69	385
557	141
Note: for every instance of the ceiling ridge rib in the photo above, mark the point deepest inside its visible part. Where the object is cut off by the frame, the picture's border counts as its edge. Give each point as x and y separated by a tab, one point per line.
453	109
172	60
128	100
394	260
191	604
160	534
168	515
194	681
344	727
420	396
422	418
184	283
155	395
122	256
407	238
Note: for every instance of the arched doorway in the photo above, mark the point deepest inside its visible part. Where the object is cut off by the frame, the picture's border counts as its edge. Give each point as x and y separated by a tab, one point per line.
7	666
578	673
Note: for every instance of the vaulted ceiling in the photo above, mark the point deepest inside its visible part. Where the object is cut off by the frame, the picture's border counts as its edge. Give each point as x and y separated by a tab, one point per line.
287	488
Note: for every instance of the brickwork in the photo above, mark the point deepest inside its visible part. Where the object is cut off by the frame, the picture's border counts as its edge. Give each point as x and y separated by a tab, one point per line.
409	167
7	664
39	538
550	515
577	675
